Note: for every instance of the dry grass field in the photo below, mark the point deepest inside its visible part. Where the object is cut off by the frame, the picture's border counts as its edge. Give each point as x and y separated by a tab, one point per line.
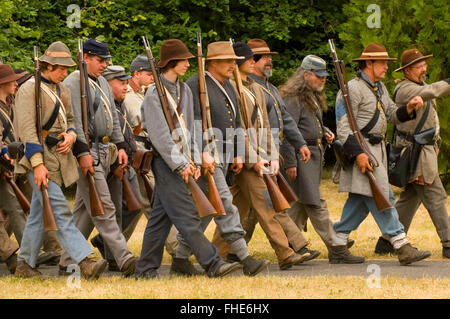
422	234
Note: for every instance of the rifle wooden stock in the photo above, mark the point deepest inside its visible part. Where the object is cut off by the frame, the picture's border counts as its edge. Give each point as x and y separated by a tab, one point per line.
204	207
279	202
214	196
97	208
8	175
381	201
133	202
21	198
286	189
47	211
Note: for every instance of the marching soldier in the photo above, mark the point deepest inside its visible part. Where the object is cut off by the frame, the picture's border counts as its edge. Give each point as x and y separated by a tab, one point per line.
283	128
425	185
50	165
373	108
9	204
305	101
248	188
15	219
173	204
108	145
141	78
117	79
228	225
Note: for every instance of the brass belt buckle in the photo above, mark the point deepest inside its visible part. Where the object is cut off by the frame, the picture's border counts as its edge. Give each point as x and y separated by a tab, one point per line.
105	139
319	141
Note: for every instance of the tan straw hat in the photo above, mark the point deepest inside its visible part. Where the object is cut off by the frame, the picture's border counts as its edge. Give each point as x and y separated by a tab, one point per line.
411	56
221	50
374	51
58	54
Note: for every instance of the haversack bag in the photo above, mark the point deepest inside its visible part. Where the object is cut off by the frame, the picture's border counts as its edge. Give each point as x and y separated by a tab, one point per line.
402	160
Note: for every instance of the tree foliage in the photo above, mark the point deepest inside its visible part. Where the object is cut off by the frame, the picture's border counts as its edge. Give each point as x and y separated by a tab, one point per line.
294	28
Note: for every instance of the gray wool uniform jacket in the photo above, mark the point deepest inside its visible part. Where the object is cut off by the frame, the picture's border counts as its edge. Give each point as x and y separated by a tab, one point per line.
106	118
279	117
364	103
405	91
307	183
155	124
225	115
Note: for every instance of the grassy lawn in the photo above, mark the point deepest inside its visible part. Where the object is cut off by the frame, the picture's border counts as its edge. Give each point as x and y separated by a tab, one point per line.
422	234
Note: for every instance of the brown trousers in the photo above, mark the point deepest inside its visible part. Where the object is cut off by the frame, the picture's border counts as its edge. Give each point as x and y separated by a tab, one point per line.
248	193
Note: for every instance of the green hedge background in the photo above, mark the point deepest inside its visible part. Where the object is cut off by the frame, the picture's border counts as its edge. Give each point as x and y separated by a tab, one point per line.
294	28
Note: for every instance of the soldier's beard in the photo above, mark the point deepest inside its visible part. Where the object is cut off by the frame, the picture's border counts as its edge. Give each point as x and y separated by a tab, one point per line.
422	77
267	72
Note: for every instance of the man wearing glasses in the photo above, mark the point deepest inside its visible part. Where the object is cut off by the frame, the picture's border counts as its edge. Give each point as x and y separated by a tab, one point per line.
424	185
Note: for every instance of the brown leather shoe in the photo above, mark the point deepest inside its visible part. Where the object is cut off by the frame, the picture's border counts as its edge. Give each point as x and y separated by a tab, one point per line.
26	271
91	269
11	263
292	260
129	267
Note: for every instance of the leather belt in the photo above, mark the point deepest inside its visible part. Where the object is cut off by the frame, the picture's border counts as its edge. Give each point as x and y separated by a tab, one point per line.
313	142
101	139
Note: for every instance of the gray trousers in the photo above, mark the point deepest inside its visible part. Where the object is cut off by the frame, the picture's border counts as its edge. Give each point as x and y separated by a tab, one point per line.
228	225
319	216
434	199
174	206
131	219
106	224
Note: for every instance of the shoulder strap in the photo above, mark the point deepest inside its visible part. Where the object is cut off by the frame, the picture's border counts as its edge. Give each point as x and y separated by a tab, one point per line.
55	112
369	126
424	118
7	126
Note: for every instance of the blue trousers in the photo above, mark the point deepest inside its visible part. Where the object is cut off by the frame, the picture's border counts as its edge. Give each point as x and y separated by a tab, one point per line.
173	204
356	209
68	234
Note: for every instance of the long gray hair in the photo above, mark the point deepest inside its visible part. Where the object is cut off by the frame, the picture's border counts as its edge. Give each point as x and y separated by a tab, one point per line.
296	85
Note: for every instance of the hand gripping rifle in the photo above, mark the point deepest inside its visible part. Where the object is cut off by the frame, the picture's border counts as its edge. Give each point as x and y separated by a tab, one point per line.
202	203
47	211
279	202
8	176
95	201
214	196
381	201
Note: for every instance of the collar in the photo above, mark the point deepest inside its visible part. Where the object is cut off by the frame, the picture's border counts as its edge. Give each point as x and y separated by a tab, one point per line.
421	83
45	80
260	79
134	85
377	87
